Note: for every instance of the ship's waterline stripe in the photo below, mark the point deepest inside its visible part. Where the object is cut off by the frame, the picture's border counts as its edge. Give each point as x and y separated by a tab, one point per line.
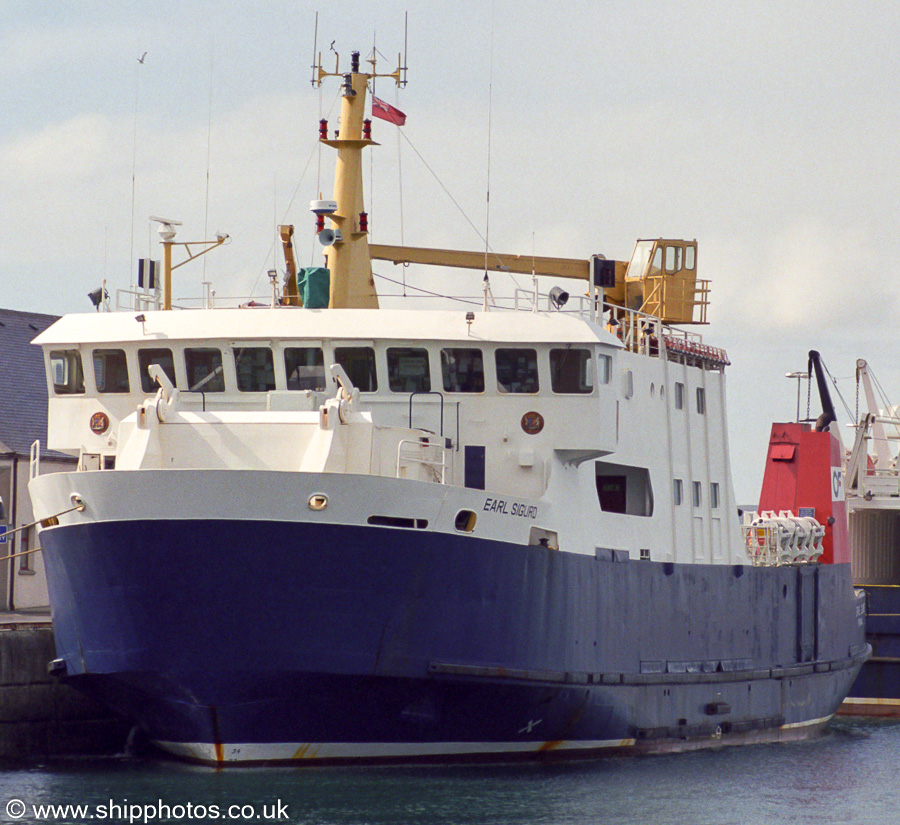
272	752
808	722
276	751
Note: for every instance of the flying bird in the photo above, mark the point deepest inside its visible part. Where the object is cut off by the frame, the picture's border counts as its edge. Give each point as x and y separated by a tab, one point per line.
141	58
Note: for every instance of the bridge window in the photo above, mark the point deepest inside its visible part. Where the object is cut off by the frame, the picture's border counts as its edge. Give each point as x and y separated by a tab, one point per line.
67	372
517	370
305	368
204	369
156	355
570	371
679	395
462	370
255	368
408	370
359	364
677	492
714	495
698	494
701	400
111	370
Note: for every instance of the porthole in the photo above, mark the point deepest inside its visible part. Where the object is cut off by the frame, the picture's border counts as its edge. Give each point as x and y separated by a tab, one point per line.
465	521
318	501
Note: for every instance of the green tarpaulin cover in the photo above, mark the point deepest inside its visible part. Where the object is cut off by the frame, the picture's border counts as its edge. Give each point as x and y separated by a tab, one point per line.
314	283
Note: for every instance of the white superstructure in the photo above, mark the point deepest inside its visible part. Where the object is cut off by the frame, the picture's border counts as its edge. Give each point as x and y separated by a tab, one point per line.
624	445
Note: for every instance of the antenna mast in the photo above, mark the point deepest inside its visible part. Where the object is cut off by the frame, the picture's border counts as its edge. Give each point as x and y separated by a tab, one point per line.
347	254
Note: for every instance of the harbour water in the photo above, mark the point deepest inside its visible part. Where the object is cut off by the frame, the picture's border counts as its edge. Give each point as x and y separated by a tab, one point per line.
849	774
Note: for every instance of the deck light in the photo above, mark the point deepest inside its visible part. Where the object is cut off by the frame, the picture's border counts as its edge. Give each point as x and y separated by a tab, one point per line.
558	297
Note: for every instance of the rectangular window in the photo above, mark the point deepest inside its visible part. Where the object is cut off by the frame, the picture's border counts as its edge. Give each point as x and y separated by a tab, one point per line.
305	368
673	258
255	367
604	368
677	492
111	370
701	400
571	371
359	364
462	370
204	369
67	372
714	495
689	257
517	370
698	494
161	356
679	396
25	560
408	370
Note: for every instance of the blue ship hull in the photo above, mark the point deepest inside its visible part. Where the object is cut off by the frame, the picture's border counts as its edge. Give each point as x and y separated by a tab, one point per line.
261	641
876	691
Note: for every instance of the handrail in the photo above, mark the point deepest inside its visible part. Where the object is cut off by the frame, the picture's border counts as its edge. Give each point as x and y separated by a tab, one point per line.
442	464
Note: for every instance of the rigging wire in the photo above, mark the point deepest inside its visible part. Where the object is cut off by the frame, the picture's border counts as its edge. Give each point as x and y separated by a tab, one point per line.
885	401
400	180
399	154
446	191
487	219
288	208
426	292
137	77
887	408
836	389
375	54
371	193
208	146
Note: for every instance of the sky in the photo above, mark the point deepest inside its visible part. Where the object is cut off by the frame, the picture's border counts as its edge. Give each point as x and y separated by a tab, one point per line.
767	131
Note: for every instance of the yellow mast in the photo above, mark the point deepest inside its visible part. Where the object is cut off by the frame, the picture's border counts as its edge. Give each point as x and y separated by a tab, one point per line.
347	258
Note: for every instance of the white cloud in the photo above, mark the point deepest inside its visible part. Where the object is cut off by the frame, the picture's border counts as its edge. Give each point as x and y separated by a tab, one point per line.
65	153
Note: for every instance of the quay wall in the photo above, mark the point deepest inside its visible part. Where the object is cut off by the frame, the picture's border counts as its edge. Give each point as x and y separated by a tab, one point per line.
42	717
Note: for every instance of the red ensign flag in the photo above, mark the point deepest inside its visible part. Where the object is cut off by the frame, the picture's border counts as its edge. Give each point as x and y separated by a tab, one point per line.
387	112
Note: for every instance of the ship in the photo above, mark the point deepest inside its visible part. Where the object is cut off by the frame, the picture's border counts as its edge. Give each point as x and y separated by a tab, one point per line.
872	482
322	531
